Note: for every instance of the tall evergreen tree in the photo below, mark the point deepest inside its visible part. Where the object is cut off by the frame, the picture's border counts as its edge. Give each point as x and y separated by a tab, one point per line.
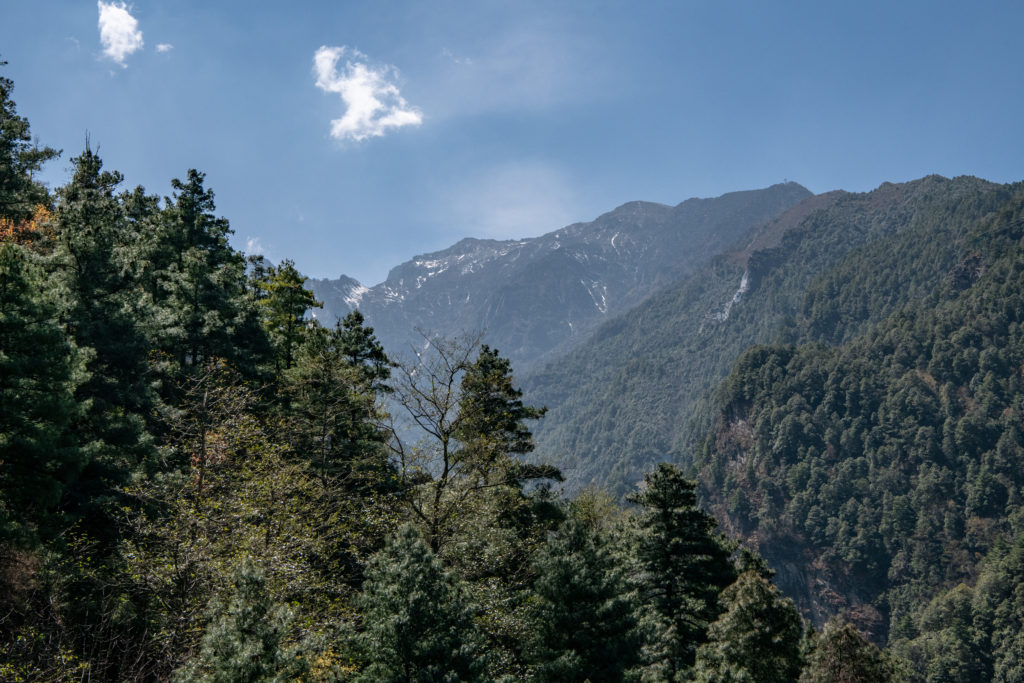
285	302
584	626
685	565
466	481
416	625
100	301
363	351
757	638
39	369
841	654
245	640
142	215
20	193
492	422
200	288
334	411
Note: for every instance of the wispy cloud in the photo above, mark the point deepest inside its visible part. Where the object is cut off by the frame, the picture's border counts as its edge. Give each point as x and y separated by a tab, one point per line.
164	47
517	199
458	59
119	31
522	68
253	246
373	104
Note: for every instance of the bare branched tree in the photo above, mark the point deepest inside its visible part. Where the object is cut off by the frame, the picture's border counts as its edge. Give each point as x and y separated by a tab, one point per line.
460	432
425	443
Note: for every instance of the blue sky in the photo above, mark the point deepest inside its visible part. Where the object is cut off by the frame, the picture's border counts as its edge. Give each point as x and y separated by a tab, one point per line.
424	122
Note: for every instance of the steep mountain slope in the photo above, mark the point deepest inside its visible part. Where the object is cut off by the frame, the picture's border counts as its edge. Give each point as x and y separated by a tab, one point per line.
622	401
537	297
877	473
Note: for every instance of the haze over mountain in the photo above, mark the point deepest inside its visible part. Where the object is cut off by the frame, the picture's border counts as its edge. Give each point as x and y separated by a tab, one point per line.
622	400
537	297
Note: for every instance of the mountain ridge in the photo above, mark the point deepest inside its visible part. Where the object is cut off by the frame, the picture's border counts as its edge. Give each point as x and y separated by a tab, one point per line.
621	401
537	297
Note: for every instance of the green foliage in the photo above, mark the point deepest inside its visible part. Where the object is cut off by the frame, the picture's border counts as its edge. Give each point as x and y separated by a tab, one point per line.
332	405
39	370
285	302
94	243
242	493
360	346
453	402
20	158
147	449
842	655
889	463
492	427
623	400
493	551
684	566
757	637
492	413
244	642
466	484
123	511
584	623
973	633
416	626
199	285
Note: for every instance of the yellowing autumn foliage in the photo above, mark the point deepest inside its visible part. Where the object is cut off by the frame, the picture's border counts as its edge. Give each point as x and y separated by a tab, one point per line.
25	231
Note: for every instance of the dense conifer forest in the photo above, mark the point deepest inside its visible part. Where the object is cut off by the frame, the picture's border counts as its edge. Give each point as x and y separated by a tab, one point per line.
199	482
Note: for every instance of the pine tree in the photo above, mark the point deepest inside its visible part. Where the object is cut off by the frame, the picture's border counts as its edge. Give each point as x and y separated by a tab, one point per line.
685	565
583	621
466	481
334	411
244	642
285	302
360	346
416	625
39	369
492	423
20	194
101	310
757	638
200	287
842	655
473	421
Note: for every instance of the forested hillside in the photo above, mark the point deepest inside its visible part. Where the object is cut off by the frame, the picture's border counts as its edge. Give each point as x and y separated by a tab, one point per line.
199	483
888	466
624	400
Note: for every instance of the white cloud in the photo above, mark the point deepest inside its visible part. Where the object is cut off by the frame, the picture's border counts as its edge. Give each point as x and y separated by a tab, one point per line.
253	246
373	104
119	31
164	47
